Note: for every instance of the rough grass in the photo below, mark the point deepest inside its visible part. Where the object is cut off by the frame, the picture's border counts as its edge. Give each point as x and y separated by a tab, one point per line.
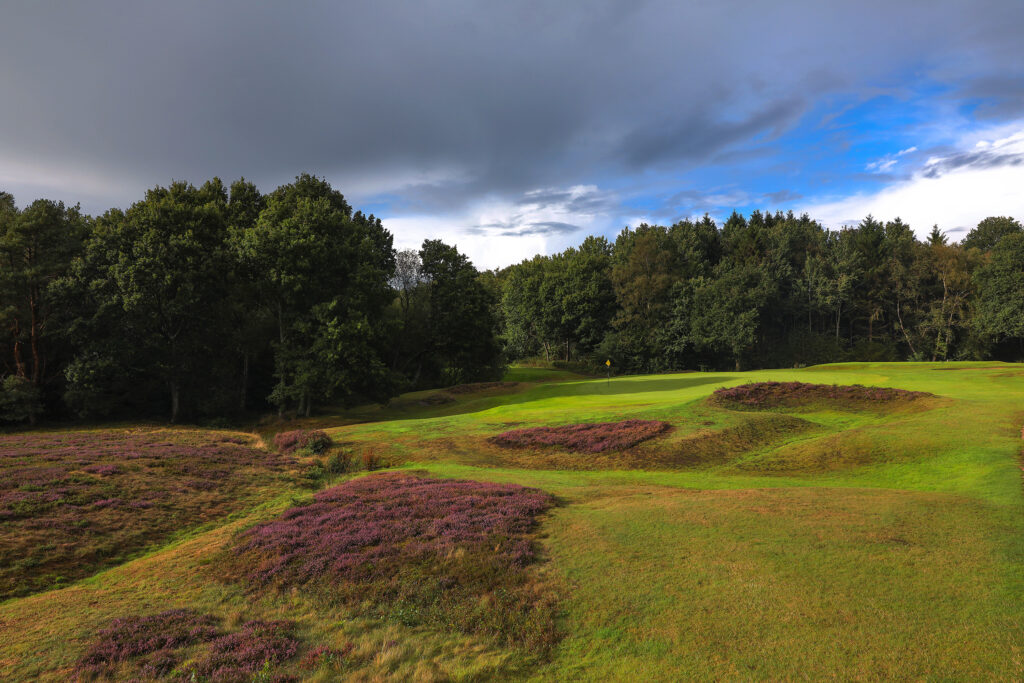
760	560
785	584
446	552
765	395
584	438
72	503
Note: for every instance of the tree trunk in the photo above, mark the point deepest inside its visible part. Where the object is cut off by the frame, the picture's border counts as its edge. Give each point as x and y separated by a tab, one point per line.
19	362
280	331
245	381
899	318
33	334
175	400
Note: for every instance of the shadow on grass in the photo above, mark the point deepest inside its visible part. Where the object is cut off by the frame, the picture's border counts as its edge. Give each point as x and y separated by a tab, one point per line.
618	386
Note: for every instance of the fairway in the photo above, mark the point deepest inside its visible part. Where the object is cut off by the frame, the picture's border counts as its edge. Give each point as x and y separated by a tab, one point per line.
825	539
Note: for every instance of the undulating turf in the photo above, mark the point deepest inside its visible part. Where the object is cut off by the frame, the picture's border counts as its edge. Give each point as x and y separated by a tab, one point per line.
75	502
815	540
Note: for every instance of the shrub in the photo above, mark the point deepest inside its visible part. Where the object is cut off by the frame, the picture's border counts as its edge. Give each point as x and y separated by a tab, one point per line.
314	474
370	460
587	438
20	400
286	442
314	441
338	463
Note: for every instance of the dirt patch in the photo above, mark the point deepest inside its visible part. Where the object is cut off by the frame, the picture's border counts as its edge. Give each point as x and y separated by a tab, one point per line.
584	438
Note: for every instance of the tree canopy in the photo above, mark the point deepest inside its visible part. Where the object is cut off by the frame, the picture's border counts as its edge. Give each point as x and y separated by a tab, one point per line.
213	300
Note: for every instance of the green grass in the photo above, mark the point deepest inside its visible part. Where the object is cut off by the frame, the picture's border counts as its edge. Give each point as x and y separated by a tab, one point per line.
823	543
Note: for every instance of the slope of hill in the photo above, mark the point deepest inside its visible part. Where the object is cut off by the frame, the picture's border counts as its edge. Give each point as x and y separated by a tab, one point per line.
874	538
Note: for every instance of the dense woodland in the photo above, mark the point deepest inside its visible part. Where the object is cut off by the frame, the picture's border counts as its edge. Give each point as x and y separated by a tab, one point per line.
214	301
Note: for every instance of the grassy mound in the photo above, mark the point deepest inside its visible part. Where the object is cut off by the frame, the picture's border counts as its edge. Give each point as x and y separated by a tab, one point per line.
479	386
444	552
766	395
75	502
584	438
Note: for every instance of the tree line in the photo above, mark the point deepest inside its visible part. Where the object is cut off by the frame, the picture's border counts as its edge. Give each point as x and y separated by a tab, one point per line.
213	301
768	290
207	301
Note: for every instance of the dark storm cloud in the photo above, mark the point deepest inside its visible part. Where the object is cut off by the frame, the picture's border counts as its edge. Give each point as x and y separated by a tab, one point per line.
584	200
977	159
444	102
515	229
698	136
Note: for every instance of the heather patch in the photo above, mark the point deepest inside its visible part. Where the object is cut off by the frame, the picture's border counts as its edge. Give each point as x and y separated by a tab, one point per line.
181	644
256	648
149	641
585	438
764	395
444	552
75	502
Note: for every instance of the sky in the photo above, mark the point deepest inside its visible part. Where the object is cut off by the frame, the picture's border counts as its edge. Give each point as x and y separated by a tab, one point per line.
520	127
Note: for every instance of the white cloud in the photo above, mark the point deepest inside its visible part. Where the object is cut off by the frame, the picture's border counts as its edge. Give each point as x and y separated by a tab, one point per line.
954	191
889	160
881	166
485	251
499	232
